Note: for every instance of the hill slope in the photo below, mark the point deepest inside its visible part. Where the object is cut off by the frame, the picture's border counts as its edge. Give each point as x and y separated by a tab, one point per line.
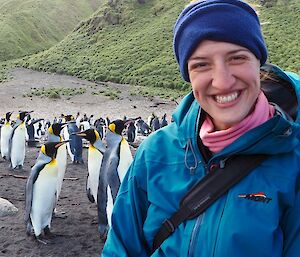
126	42
129	42
30	26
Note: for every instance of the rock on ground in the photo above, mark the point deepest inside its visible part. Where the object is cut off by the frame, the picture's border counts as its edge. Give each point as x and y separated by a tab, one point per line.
7	208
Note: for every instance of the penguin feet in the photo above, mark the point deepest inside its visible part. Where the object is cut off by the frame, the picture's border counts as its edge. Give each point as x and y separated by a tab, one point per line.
59	215
43	240
78	162
48	234
18	167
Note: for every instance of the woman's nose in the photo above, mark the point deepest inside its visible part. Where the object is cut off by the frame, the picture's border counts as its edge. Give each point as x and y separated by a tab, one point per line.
223	77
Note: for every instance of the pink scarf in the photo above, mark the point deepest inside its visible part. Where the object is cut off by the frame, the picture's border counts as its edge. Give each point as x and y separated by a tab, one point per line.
218	140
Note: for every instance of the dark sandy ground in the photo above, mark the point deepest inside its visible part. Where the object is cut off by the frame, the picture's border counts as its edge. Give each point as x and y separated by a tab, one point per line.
75	225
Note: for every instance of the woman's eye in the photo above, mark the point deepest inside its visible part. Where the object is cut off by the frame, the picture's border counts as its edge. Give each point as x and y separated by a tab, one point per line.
202	64
199	65
238	58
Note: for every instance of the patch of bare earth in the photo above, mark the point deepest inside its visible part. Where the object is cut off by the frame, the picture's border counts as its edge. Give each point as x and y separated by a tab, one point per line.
130	105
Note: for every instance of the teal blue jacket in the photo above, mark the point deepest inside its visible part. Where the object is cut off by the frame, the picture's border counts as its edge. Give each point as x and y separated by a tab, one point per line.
258	217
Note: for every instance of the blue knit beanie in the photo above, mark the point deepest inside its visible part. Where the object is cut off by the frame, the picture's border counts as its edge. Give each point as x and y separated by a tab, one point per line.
232	21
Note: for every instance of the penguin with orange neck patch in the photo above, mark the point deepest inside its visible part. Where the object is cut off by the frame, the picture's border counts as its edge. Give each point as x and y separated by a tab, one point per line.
41	190
116	161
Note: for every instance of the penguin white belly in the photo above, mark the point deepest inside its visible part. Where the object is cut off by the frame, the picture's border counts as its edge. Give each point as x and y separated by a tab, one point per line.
67	137
6	131
61	159
35	126
125	159
18	146
44	197
94	163
109	206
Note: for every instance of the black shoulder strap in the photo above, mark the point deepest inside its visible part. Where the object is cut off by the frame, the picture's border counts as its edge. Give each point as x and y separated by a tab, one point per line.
207	191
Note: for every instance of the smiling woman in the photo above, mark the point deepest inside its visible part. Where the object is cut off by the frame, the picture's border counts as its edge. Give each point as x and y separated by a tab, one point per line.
226	81
230	113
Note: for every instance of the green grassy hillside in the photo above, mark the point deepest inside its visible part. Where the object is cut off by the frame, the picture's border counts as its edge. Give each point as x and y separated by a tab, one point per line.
30	26
128	42
281	27
137	50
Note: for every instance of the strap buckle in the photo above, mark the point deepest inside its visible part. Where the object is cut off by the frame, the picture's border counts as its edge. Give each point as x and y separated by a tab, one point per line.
169	226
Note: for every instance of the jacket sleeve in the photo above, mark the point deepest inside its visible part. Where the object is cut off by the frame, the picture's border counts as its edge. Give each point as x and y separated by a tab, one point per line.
125	237
291	228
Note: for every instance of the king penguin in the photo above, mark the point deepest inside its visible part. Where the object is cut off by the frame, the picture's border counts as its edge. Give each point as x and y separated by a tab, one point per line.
131	131
115	163
75	145
18	141
95	155
6	132
41	188
54	136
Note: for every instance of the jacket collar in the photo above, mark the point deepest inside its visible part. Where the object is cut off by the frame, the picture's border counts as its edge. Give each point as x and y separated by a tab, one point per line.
278	135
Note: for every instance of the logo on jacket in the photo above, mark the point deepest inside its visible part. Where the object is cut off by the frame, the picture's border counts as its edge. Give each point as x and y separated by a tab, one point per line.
257	197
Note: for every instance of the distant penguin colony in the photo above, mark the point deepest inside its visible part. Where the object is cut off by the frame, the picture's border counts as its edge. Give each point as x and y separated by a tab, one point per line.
109	157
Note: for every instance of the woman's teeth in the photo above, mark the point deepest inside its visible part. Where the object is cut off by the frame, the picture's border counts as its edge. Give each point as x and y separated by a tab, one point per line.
227	98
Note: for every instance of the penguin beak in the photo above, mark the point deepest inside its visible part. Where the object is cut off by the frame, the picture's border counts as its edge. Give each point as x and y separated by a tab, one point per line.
80	134
61	143
64	125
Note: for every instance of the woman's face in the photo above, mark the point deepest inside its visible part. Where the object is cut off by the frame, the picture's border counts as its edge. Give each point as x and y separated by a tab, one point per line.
225	80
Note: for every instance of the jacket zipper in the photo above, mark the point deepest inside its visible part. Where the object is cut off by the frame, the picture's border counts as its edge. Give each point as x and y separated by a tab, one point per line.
220	221
195	232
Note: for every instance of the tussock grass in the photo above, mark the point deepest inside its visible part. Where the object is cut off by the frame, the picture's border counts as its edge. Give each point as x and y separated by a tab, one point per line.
55	92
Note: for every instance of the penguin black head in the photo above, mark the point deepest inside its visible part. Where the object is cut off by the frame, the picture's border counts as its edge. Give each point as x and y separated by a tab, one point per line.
56	128
117	126
69	117
91	135
50	148
22	115
8	115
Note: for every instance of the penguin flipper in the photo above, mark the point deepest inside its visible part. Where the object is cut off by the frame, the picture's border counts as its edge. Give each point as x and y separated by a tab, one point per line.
43	240
29	188
10	141
88	191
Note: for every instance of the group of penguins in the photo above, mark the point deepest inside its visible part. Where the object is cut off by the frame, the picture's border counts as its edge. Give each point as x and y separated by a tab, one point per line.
109	157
